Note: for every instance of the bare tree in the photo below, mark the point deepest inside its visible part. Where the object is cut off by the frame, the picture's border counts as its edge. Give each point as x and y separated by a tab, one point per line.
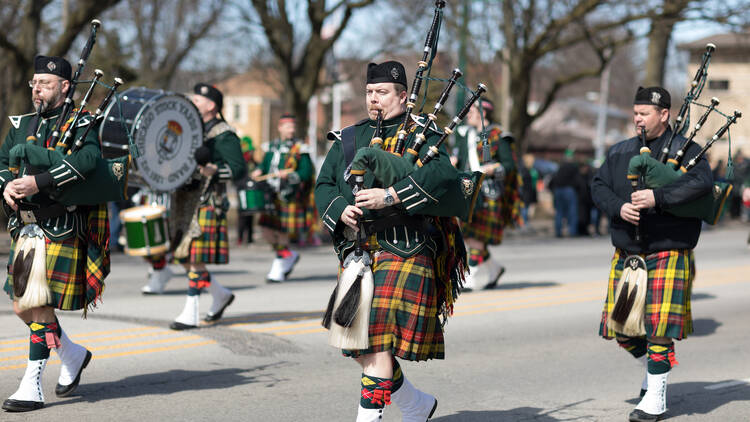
301	60
21	43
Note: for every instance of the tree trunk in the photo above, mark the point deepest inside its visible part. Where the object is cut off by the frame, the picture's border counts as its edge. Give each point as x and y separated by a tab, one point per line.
658	41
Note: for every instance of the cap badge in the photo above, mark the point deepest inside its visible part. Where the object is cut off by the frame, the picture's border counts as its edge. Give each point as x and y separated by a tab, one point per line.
655	97
394	73
204	90
51	66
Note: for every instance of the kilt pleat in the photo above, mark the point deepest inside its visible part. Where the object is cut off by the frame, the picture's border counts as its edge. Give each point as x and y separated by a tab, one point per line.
212	246
404	314
290	217
668	305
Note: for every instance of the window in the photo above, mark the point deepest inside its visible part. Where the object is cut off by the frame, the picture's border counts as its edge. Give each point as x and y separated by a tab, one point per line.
718	85
237	113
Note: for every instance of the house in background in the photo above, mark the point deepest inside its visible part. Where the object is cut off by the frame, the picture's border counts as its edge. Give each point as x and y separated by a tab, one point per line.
729	82
250	102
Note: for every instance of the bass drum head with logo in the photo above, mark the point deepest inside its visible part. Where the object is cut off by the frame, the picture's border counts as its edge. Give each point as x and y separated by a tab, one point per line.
166	128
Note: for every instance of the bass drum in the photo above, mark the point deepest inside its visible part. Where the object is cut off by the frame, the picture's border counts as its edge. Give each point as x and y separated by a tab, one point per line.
165	127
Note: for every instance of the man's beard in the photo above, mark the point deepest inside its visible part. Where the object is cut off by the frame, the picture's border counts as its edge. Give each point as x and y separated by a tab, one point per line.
43	105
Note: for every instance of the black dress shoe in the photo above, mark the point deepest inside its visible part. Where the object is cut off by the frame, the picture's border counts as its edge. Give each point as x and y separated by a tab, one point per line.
643	392
217	316
180	326
639	415
11	405
66	390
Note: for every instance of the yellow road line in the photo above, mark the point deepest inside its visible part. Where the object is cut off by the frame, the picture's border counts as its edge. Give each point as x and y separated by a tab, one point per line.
90	334
119	346
128	353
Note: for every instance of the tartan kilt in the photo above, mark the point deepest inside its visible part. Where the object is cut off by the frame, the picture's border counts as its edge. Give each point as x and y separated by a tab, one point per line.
404	314
76	268
290	217
486	223
212	246
670	283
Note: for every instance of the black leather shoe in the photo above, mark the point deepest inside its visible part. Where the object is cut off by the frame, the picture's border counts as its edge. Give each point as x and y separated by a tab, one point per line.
66	390
643	392
217	316
639	415
180	326
11	405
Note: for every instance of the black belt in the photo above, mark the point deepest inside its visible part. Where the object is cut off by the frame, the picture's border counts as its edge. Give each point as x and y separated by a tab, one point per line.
33	213
386	222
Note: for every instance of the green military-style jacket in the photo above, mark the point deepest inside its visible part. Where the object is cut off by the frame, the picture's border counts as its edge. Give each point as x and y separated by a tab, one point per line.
424	186
277	158
226	151
53	171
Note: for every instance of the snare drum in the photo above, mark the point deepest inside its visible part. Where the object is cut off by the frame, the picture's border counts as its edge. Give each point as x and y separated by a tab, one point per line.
254	198
166	128
145	230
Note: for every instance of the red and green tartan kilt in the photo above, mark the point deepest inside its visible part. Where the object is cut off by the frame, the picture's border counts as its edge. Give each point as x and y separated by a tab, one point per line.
670	283
486	223
289	217
212	247
404	314
66	274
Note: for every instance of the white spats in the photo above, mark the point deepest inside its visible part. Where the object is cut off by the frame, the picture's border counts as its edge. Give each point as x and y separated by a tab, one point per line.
655	400
369	415
415	405
493	273
31	384
470	282
288	263
71	356
221	296
189	315
276	274
157	281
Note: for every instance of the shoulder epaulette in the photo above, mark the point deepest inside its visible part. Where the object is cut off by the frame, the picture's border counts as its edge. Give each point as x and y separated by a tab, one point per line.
16	120
422	120
84	120
218	129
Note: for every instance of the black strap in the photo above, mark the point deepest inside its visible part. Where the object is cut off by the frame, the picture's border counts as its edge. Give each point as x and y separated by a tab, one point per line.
31	128
348	142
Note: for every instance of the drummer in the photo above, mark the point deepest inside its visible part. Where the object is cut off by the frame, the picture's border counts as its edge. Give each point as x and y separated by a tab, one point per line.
289	172
211	245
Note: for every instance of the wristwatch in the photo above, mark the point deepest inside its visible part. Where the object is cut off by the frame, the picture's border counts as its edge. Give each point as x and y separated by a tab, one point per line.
388	199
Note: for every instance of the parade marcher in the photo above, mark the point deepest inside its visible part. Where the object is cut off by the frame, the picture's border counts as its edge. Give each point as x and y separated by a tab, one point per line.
499	204
664	241
245	221
288	162
211	245
76	239
409	297
565	185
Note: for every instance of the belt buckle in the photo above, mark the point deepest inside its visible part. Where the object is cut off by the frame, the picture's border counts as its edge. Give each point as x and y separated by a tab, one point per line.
27	216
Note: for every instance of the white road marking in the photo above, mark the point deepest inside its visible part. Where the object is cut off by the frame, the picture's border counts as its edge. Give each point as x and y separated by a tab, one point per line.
727	384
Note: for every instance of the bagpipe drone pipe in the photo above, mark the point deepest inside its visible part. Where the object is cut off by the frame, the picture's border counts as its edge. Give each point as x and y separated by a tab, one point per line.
107	181
656	173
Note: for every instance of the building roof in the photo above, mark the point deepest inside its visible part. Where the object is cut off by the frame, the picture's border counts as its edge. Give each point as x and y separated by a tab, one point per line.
728	41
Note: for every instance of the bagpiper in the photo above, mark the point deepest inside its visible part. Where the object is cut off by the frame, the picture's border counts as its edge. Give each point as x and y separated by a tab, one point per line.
643	232
59	254
410	265
499	203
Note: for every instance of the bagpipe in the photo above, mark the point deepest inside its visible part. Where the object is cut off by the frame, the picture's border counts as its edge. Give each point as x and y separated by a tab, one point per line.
656	173
107	181
389	167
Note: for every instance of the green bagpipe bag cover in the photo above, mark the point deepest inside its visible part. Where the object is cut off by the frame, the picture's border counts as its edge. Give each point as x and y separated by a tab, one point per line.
388	168
657	174
107	181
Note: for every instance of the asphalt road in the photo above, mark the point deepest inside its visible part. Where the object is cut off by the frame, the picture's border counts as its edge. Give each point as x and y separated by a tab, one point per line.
525	351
